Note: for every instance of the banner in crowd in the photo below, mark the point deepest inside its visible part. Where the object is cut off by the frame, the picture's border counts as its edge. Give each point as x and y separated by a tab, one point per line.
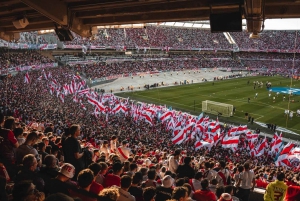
72	63
48	46
35	67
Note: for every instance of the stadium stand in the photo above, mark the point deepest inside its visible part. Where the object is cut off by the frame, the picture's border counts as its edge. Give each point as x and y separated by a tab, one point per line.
70	139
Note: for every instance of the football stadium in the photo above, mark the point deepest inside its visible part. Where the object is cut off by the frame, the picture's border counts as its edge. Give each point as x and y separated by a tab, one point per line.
182	100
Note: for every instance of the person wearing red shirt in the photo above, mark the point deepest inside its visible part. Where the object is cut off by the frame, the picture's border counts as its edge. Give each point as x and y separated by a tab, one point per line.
95	187
114	178
204	194
7	145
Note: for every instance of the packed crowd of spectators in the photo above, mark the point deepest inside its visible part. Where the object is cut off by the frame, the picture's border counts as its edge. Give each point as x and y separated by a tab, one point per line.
266	56
187	38
59	151
156	37
9	58
267	40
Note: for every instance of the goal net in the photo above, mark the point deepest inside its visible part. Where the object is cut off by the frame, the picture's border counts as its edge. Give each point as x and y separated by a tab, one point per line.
217	108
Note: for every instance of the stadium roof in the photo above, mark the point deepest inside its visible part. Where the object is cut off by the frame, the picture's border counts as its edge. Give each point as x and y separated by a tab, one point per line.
81	15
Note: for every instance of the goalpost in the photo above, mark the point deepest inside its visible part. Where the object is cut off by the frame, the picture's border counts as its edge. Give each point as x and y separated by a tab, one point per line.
217	108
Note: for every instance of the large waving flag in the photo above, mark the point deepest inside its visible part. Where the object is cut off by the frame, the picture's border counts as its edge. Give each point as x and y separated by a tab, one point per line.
230	142
260	149
199	144
165	116
237	130
180	137
97	104
276	143
282	160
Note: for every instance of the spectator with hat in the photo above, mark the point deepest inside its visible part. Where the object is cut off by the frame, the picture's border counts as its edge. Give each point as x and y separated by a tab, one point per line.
225	197
164	192
62	183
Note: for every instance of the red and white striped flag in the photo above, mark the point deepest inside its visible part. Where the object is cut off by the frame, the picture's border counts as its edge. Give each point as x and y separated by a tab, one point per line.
260	149
180	137
230	142
237	130
27	78
62	98
199	144
165	116
276	143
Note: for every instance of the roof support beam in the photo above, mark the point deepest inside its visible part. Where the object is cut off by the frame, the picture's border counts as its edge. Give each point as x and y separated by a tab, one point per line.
31	27
150	17
154	8
58	12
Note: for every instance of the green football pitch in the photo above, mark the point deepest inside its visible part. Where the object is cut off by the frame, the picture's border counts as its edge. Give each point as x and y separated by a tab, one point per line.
188	98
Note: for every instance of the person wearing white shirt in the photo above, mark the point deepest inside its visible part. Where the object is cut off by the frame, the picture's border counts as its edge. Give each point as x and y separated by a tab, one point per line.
246	178
123	151
173	161
123	190
104	148
196	182
113	144
208	173
222	174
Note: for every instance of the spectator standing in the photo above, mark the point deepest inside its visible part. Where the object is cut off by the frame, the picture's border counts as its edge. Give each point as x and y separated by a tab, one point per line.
124	151
276	190
7	144
246	178
72	150
173	161
186	170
